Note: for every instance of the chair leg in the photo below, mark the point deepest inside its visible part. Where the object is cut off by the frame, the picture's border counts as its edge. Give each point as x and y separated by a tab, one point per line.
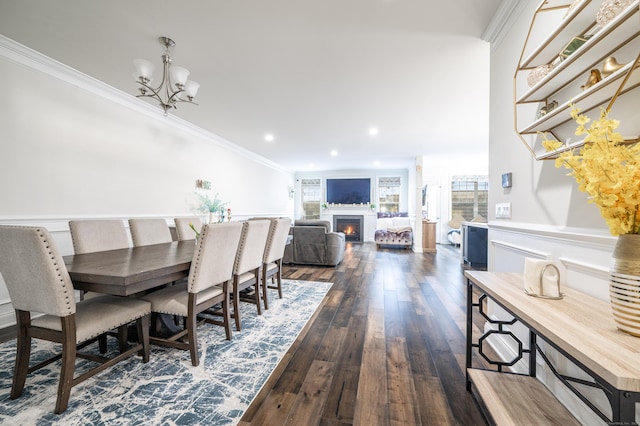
256	289
226	314
142	325
236	304
102	343
68	362
264	288
279	278
23	353
122	338
192	322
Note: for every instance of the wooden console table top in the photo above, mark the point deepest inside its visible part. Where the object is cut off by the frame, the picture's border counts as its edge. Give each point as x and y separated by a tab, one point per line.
579	324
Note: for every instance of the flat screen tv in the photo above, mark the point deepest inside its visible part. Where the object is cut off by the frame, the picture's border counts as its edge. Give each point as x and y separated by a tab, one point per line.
349	191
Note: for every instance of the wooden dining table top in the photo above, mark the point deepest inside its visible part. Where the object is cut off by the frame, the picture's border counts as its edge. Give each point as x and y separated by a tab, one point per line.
132	270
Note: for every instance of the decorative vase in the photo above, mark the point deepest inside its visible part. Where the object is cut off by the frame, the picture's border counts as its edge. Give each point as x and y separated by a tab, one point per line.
624	284
609	10
214	217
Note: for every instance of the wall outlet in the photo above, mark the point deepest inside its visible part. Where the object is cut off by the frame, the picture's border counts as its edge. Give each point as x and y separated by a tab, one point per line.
503	210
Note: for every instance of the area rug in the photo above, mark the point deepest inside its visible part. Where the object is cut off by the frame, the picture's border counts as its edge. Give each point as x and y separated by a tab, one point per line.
169	390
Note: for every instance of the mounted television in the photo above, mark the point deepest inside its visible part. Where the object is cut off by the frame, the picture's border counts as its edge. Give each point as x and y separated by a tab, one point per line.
349	191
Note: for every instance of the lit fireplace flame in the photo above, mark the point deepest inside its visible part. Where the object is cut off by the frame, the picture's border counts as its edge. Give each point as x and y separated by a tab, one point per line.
349	230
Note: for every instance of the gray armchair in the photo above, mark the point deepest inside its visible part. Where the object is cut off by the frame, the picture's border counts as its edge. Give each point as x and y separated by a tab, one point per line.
314	244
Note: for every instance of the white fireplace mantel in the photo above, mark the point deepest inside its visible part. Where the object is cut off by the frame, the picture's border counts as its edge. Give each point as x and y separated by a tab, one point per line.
369	218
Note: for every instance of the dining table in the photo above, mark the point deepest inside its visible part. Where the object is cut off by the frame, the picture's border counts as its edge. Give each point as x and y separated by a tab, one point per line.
129	271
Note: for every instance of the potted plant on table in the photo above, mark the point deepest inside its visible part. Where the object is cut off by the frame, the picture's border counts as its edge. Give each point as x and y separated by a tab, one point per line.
213	206
608	169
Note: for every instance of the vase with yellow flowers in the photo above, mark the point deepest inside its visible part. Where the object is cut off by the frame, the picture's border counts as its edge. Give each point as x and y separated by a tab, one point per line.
608	170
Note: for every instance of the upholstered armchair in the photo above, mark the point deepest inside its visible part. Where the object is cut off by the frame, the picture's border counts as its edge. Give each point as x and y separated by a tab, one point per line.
315	244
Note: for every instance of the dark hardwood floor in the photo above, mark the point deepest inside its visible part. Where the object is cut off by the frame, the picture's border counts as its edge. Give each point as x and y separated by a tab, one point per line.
386	348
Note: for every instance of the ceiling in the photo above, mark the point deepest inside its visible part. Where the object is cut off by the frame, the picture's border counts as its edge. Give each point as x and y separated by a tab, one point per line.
317	74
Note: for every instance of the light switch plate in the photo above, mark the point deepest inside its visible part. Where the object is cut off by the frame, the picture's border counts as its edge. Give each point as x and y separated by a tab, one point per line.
503	210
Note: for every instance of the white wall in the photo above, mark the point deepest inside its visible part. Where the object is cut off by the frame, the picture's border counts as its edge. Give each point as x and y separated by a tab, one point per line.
71	147
69	152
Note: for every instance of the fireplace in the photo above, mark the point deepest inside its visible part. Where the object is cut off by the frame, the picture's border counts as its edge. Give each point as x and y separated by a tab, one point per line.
351	226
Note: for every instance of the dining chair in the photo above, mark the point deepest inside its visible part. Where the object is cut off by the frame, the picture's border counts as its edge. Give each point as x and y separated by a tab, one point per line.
90	236
209	283
248	265
31	265
183	228
273	254
145	232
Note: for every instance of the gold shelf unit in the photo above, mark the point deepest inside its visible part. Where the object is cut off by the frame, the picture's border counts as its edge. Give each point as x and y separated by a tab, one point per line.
554	24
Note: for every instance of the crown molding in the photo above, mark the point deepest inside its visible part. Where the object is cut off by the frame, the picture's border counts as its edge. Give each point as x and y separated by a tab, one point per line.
502	21
28	57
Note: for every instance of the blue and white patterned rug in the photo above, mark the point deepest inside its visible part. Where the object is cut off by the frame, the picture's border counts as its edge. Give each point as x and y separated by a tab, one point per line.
169	390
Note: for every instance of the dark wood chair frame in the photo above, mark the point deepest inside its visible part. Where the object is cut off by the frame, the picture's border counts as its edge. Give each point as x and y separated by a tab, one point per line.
192	321
70	351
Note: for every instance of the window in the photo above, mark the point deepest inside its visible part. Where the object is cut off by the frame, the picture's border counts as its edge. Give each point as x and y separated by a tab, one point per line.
311	196
469	196
389	194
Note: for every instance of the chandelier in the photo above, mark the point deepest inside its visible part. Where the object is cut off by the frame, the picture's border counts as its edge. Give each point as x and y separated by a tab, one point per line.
174	86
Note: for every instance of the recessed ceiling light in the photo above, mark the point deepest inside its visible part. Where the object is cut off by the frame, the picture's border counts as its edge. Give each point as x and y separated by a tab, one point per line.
334	153
373	131
376	163
268	137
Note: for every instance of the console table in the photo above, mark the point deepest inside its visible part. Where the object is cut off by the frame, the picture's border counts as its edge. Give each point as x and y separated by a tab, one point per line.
579	326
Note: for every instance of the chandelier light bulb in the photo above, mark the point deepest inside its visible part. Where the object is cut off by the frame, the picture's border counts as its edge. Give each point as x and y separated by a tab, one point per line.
179	76
190	89
144	69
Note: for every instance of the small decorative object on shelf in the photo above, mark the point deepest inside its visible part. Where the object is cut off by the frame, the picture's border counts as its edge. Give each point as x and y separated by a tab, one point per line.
610	66
372	206
545	109
573	45
594	78
609	10
229	215
608	170
538	74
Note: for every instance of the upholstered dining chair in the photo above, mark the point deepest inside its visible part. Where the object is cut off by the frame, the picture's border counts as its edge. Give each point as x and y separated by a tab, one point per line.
209	283
90	236
145	232
31	266
183	228
273	254
248	265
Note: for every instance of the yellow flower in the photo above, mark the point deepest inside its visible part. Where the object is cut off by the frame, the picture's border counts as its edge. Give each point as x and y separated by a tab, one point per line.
606	169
